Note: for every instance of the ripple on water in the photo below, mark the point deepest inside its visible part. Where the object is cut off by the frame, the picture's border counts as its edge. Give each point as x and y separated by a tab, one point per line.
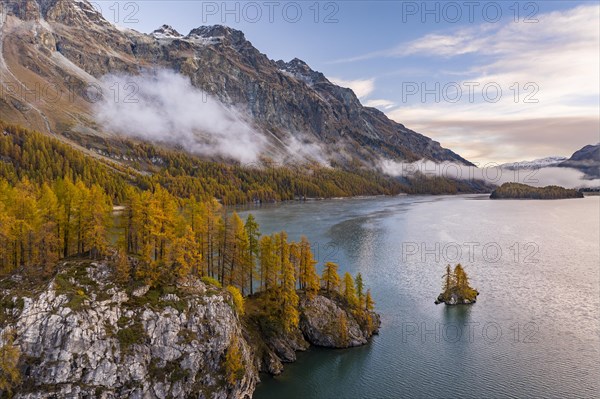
547	310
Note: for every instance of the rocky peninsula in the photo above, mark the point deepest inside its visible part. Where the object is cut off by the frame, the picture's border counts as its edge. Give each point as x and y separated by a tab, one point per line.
83	335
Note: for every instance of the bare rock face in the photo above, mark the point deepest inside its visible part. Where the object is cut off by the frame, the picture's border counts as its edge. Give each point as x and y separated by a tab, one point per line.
325	323
82	337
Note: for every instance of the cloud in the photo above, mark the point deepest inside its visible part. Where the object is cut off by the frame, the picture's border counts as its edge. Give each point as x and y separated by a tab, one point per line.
501	140
566	177
548	76
361	87
164	107
380	103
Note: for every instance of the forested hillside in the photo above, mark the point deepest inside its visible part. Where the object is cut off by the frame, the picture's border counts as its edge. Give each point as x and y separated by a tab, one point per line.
24	153
523	191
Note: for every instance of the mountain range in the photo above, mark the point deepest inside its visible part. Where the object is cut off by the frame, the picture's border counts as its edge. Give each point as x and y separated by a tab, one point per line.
53	52
586	160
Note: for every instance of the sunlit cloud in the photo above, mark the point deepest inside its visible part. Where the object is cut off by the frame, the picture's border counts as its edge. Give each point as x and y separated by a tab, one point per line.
548	76
361	87
379	103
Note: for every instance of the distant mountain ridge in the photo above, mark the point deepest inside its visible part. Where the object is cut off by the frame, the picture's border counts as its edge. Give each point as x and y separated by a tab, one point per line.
586	160
535	164
69	43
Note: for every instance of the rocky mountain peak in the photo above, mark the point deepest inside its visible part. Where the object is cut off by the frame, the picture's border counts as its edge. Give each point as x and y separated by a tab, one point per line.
219	33
590	152
302	71
166	32
67	12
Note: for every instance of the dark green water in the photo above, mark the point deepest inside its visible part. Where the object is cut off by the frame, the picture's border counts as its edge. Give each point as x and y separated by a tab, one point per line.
534	331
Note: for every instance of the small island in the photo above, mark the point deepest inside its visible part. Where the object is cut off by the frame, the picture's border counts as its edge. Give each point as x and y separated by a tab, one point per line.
523	191
456	289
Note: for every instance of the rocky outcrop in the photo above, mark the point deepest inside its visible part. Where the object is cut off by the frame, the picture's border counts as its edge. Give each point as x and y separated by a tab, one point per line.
325	323
455	299
83	337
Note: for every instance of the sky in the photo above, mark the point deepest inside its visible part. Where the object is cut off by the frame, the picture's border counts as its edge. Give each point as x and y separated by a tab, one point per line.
493	81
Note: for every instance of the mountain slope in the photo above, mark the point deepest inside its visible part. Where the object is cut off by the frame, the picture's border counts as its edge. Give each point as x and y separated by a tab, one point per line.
586	160
66	47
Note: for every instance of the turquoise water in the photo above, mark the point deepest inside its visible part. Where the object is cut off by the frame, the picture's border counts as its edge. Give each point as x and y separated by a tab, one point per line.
534	331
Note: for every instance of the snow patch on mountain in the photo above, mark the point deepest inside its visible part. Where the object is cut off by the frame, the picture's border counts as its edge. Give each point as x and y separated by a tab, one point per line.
166	32
535	164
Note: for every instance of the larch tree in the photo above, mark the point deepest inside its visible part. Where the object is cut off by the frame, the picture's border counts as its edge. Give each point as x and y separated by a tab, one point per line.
330	278
308	272
240	261
268	263
211	215
289	298
97	221
253	233
186	256
448	282
233	364
66	193
122	266
10	354
360	287
295	261
282	252
461	280
48	242
349	290
369	303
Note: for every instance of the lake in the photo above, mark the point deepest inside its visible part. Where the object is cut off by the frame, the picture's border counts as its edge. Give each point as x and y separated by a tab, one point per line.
534	330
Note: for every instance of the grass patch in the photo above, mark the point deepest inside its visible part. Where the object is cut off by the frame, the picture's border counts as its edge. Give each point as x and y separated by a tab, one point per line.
172	371
187	336
131	335
152	299
211	281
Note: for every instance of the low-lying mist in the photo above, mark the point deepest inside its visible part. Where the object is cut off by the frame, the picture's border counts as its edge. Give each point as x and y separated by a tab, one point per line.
163	107
566	177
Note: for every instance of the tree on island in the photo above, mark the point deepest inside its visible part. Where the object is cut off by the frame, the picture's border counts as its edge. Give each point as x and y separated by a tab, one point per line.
456	288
